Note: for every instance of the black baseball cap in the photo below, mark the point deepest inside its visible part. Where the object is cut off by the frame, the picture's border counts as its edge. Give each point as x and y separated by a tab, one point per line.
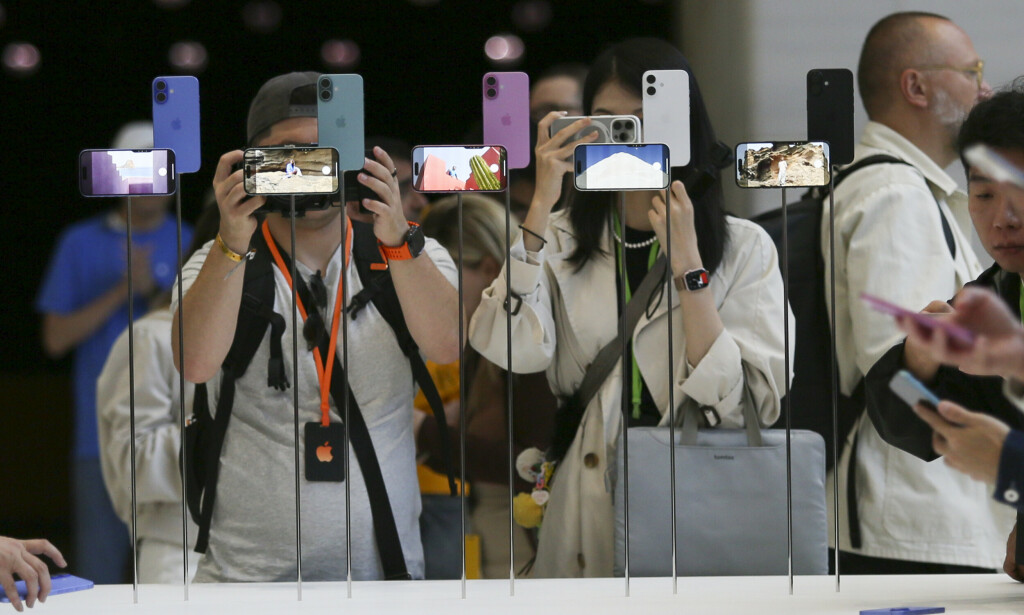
283	97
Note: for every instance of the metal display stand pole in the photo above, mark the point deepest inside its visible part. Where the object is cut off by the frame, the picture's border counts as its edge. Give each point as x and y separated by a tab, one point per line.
462	401
624	337
671	383
131	408
835	367
181	399
295	407
788	397
509	396
345	405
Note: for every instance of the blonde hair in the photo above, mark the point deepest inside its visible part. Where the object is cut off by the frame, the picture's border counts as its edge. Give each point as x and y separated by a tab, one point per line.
483	227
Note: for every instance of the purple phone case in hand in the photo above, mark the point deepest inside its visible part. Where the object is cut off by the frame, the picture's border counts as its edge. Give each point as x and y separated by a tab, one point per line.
506	109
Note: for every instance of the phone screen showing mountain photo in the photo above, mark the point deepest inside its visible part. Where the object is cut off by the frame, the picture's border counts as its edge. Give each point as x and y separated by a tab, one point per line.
616	166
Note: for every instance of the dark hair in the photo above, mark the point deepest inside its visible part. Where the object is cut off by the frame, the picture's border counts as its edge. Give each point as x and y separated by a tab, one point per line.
395	147
590	212
573	70
887	49
996	122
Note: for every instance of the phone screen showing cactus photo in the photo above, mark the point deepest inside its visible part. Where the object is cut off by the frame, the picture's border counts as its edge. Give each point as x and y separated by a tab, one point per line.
619	166
457	168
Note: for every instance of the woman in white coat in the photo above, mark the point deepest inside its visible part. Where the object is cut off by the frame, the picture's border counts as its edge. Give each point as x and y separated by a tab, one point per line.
565	275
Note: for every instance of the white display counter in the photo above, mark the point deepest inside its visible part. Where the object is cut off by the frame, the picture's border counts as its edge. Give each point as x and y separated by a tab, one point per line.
959	594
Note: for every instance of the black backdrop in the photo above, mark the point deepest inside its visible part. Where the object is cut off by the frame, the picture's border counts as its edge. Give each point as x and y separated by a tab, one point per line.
421	66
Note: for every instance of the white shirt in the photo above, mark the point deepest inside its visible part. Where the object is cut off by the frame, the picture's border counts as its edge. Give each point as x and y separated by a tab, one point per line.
890	243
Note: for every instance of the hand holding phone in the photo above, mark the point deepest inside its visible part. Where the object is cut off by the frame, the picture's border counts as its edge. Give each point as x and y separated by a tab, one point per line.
912	391
925	320
609	128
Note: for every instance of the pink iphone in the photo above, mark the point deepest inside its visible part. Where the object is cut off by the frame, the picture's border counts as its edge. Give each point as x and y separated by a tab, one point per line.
506	104
930	322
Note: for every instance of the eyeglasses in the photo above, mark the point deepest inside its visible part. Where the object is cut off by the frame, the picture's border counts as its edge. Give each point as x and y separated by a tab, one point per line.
978	70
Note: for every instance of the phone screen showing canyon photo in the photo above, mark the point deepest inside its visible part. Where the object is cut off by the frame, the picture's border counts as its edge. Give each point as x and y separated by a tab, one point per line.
782	165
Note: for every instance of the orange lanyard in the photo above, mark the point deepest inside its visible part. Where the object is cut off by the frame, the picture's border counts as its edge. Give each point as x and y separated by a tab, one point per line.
323	373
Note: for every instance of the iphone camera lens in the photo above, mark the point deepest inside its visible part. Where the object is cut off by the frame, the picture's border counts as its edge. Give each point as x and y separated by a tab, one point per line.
325	82
651	90
650	78
160	85
325	94
161	97
617	124
491	81
491	93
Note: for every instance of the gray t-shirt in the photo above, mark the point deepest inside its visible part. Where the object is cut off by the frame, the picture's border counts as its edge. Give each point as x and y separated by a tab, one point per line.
252	533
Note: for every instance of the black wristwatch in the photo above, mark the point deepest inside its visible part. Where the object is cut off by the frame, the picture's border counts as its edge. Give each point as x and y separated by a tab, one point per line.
413	246
695	279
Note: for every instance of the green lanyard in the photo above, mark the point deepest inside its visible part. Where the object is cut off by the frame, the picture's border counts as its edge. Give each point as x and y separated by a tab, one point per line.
1021	299
629	295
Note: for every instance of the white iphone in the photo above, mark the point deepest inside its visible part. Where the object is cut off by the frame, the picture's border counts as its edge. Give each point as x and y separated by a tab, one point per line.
666	100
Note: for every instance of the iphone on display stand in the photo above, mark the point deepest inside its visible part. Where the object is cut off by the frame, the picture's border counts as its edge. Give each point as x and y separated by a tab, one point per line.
666	106
290	170
782	164
830	111
176	120
339	115
126	172
506	111
459	168
615	166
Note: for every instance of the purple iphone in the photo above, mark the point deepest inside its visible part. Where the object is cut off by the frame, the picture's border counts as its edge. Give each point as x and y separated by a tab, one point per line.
507	115
176	120
59	584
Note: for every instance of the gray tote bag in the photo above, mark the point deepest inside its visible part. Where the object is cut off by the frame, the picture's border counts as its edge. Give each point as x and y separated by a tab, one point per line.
731	508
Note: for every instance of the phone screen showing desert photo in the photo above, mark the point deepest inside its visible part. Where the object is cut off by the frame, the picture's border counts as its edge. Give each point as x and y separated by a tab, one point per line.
128	172
454	168
617	166
782	165
291	170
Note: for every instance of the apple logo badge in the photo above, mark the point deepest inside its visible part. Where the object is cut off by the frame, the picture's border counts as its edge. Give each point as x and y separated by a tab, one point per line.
176	123
506	120
323	453
340	122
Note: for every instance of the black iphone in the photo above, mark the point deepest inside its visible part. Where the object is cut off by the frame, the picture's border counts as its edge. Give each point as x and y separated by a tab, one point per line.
830	111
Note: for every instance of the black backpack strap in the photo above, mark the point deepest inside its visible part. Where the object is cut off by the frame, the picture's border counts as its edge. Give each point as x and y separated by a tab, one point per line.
378	288
385	530
204	445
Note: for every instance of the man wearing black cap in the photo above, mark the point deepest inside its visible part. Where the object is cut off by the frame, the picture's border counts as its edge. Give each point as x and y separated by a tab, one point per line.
252	533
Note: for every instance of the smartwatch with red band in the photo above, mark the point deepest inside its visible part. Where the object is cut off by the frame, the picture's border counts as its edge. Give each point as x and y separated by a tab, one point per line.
414	242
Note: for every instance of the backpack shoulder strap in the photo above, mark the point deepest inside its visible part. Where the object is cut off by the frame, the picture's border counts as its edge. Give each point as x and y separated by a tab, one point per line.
202	454
379	288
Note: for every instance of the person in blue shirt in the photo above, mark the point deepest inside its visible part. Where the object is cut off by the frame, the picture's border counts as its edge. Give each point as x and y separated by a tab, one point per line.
83	301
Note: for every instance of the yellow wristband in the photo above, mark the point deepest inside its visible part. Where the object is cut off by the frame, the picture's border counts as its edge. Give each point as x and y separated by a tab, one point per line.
228	252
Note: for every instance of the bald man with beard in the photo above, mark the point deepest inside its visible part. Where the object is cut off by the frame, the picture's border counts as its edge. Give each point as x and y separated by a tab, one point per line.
897	237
